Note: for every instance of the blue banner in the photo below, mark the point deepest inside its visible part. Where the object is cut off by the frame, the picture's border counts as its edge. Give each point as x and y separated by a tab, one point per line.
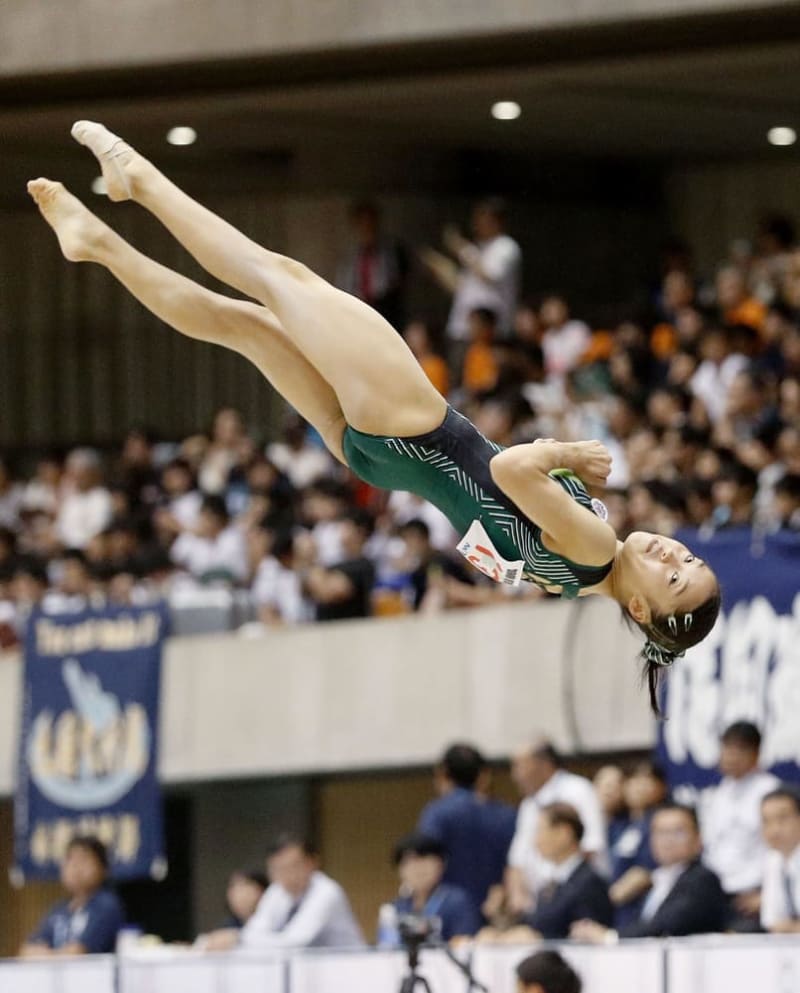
89	740
747	669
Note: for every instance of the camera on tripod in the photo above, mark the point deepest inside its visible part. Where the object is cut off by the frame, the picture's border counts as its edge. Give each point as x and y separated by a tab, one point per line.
415	930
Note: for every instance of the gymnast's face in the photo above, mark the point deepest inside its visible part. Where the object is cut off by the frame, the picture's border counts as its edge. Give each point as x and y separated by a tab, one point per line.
664	574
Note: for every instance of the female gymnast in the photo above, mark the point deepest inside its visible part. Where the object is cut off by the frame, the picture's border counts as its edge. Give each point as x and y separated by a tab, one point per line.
524	511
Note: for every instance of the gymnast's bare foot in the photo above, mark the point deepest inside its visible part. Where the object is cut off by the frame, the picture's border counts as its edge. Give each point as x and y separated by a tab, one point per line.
80	234
120	163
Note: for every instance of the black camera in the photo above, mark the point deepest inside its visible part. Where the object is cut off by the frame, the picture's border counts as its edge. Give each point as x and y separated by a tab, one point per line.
415	930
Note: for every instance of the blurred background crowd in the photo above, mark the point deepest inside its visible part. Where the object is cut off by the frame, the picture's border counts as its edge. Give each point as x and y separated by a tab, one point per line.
696	393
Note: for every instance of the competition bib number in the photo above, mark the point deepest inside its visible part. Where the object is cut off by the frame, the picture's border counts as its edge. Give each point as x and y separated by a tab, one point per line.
477	548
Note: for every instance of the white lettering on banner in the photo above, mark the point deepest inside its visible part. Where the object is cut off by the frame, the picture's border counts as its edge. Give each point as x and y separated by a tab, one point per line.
747	669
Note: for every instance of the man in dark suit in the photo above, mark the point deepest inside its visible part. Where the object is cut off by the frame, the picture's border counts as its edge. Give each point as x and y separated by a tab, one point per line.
475	831
685	898
576	891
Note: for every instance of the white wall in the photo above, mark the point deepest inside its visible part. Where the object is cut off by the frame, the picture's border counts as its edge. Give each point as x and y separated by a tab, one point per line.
388	693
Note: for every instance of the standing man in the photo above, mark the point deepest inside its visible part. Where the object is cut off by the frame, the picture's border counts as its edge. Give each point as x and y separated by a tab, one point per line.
541	779
376	268
731	822
486	274
780	898
474	831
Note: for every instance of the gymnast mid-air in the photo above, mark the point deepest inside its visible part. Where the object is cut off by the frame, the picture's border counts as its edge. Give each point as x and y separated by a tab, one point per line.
524	511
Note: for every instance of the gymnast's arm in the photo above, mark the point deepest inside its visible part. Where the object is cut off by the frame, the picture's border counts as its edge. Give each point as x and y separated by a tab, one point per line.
568	529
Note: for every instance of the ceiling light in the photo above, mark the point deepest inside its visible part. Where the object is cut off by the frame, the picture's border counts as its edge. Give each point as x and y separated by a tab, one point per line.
506	110
99	186
781	136
181	136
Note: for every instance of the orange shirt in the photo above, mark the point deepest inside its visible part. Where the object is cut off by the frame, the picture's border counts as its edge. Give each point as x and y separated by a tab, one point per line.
480	368
435	368
751	312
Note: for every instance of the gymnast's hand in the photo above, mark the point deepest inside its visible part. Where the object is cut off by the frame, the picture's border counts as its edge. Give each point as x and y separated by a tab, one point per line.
590	461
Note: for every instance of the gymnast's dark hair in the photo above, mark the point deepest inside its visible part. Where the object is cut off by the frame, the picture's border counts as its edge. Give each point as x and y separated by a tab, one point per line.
669	636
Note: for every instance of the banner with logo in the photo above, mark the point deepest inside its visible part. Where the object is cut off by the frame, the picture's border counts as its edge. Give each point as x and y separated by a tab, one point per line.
747	669
89	740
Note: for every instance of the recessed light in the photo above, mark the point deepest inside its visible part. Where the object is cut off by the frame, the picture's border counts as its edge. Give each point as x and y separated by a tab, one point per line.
506	110
99	186
781	136
181	136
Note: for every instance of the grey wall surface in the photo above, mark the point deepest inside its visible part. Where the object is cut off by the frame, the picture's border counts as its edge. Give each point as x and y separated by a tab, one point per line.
77	34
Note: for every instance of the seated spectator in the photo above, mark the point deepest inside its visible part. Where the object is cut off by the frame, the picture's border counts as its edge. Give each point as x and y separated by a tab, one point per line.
223	453
11	497
565	339
547	972
43	490
242	895
425	561
538	773
73	587
609	782
418	338
731	823
277	588
719	365
685	898
302	908
780	896
215	550
420	862
475	831
87	922
343	590
735	303
575	891
182	501
786	502
297	457
480	365
86	506
632	863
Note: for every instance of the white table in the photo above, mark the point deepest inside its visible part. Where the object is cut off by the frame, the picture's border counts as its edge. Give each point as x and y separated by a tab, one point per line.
167	970
740	964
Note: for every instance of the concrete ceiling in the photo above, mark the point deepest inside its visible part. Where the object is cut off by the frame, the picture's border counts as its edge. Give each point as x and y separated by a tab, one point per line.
668	107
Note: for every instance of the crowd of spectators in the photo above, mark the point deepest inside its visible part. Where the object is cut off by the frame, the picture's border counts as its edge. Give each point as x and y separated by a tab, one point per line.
697	395
577	860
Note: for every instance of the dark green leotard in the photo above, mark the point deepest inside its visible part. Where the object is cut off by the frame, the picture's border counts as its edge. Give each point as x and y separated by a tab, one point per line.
450	467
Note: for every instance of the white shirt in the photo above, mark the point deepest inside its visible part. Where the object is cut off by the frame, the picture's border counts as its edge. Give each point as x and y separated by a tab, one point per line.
303	466
664	879
82	516
563	870
199	556
774	899
186	508
500	260
282	589
563	348
710	382
323	919
562	787
731	826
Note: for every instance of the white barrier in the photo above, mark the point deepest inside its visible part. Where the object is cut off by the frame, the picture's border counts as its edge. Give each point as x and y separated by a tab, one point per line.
92	974
713	964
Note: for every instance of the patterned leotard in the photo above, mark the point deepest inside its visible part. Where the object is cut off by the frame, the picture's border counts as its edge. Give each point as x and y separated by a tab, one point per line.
450	467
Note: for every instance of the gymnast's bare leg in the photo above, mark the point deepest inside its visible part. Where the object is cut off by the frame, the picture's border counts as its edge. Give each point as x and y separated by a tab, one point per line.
247	328
380	387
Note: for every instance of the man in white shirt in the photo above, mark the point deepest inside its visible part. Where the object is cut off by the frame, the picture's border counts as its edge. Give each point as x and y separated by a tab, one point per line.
302	908
215	549
731	822
487	273
541	780
780	896
86	508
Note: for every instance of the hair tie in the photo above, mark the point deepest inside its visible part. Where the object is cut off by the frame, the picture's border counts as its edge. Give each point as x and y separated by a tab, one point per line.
672	624
658	654
687	621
